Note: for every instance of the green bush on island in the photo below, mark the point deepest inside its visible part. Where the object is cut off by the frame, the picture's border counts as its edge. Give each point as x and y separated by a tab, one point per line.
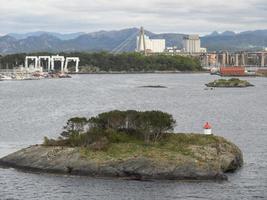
114	127
122	133
130	144
125	62
233	82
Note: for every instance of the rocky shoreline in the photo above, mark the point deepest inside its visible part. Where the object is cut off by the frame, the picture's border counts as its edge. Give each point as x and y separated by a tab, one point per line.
231	83
207	163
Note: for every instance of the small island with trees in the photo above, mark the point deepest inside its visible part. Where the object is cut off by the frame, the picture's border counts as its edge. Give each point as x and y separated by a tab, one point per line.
130	144
233	82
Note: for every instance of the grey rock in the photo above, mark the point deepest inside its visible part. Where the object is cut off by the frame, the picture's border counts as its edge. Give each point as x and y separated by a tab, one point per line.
208	162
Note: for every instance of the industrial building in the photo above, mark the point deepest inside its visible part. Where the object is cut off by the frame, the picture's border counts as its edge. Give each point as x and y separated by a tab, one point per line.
147	45
152	45
226	59
191	44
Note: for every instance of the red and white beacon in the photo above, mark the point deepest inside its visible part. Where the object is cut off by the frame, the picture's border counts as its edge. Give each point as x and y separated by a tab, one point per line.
207	129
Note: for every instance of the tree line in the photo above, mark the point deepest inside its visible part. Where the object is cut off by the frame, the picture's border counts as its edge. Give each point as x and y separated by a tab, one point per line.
106	62
113	127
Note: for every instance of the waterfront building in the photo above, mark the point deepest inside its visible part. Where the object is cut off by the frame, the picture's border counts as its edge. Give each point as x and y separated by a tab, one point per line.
191	44
172	50
203	50
151	45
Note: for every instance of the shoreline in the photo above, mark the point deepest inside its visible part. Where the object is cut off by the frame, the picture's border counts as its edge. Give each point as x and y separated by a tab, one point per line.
157	72
210	162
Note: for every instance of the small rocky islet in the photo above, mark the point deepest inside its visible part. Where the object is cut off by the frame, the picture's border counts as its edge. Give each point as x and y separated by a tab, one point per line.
230	83
117	144
153	86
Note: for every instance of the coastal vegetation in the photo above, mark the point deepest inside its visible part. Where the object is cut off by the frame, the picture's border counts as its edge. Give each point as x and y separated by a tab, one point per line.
233	82
118	134
115	127
130	144
106	62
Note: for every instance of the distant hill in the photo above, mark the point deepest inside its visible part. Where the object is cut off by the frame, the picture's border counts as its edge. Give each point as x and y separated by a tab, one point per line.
228	40
67	36
123	40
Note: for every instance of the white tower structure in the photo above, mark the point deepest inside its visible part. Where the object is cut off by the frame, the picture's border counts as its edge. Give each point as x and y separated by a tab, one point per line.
57	58
191	44
76	60
262	59
35	58
48	58
141	41
50	63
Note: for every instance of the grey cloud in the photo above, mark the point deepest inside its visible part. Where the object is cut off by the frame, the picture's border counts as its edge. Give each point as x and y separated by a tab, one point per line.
156	15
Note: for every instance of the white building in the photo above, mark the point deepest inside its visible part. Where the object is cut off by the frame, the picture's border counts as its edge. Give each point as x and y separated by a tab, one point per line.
203	50
152	45
172	50
191	44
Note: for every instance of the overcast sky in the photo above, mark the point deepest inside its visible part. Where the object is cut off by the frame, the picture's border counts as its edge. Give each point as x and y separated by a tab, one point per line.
179	16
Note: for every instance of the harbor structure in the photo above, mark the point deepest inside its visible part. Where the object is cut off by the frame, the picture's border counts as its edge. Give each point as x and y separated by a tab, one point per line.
46	59
230	59
69	59
37	64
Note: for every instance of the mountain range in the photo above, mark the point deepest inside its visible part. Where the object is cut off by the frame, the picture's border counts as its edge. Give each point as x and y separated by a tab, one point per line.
123	40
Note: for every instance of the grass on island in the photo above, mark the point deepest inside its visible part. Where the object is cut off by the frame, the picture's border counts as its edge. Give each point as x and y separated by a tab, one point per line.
172	148
119	135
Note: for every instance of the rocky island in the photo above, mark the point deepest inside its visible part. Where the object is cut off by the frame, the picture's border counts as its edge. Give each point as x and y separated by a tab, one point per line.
233	82
153	86
132	145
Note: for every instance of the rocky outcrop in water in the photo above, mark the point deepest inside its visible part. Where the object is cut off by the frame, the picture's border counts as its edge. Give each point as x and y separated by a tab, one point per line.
231	83
202	163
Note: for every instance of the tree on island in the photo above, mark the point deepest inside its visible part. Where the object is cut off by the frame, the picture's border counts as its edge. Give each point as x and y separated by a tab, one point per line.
74	126
148	127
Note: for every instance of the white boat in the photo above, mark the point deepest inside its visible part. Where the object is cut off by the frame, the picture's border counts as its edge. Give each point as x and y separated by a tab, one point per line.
4	77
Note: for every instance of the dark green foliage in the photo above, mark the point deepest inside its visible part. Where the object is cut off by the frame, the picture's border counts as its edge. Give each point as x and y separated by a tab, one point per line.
153	124
125	62
59	142
74	126
115	127
233	82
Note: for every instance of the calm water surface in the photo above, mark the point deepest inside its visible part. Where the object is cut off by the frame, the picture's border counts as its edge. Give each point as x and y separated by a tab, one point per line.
30	110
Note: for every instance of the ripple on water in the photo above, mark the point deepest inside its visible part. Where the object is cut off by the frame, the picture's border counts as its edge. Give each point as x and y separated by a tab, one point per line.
33	109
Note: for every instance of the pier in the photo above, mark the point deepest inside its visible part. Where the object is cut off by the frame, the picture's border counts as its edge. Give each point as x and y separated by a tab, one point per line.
244	59
38	67
50	66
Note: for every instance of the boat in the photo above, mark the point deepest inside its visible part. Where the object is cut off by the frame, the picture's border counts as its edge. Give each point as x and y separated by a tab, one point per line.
62	75
5	78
